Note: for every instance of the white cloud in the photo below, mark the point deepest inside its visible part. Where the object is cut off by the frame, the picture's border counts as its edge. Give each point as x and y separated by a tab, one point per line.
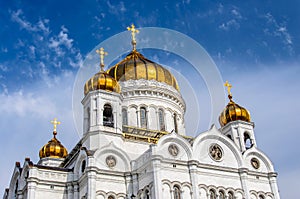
229	25
61	40
116	9
280	30
43	51
21	104
41	25
25	120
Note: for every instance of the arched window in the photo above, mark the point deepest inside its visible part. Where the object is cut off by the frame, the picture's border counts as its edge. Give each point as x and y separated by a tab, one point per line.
124	116
83	165
177	194
161	120
212	194
261	197
230	195
108	117
143	117
247	140
175	122
110	197
221	195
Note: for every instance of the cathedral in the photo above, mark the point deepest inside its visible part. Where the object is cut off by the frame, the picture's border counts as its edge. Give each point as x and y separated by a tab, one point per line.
134	145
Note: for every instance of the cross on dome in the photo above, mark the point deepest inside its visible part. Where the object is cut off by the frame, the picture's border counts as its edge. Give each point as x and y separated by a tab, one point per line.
229	86
133	33
55	123
102	54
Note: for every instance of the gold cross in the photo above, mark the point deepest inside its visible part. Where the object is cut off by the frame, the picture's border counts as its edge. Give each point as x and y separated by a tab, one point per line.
133	32
55	123
228	87
102	54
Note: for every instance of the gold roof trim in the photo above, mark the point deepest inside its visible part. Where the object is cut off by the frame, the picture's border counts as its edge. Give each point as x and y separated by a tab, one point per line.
146	135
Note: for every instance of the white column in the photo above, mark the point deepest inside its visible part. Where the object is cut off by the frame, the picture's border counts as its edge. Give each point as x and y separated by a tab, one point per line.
70	191
157	185
129	186
91	188
76	194
241	139
244	177
135	184
273	184
31	189
194	179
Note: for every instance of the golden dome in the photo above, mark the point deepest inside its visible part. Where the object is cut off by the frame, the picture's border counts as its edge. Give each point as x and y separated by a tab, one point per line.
135	66
53	149
233	111
101	80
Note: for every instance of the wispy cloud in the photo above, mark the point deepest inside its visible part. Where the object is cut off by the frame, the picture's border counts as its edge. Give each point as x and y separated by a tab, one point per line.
229	25
116	9
61	40
233	16
280	30
41	25
44	49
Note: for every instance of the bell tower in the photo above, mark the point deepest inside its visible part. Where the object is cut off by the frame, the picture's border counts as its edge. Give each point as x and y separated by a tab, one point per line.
101	102
236	123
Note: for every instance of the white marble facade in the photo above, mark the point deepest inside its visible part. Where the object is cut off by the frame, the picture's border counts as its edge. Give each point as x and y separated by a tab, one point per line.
107	164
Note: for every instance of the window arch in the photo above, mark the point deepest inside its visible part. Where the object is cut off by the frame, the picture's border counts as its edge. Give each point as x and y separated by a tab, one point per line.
261	197
143	117
230	195
161	120
212	194
124	116
110	197
247	140
177	193
221	195
108	117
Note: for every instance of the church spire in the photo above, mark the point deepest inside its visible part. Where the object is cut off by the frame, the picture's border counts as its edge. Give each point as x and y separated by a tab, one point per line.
133	33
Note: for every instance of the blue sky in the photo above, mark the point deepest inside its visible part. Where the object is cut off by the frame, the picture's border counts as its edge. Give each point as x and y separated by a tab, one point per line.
255	45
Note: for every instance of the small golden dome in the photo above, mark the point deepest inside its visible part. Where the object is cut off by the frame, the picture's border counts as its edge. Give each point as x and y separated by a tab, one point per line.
101	80
53	149
233	111
135	66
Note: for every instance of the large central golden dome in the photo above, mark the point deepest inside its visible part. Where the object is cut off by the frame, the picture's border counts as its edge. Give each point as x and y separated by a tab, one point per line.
135	66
